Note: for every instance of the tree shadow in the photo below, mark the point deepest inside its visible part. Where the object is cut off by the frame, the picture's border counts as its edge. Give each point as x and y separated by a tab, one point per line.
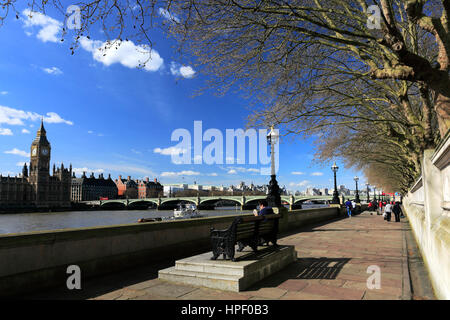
304	268
318	268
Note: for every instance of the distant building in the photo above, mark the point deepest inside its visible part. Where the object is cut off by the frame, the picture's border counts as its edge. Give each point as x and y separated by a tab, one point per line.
324	191
197	187
87	189
149	189
36	188
126	188
343	190
170	189
312	192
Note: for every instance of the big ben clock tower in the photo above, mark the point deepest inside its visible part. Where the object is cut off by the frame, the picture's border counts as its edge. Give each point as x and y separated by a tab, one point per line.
40	167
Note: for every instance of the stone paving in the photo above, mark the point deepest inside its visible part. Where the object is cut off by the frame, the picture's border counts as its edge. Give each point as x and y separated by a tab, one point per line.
333	259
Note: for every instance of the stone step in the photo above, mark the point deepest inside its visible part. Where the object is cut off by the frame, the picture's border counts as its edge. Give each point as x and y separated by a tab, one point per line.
238	275
215	267
204	279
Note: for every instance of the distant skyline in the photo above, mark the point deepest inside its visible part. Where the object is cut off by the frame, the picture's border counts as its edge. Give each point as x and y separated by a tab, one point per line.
104	114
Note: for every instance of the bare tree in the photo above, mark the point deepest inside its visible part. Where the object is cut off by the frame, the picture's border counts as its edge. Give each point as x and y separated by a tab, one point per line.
314	67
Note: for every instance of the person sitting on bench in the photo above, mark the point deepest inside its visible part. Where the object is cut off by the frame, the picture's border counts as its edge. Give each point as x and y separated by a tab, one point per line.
264	209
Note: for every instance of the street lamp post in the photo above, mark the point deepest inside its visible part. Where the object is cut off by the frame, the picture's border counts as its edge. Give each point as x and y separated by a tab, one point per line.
368	197
335	199
356	191
273	198
375	194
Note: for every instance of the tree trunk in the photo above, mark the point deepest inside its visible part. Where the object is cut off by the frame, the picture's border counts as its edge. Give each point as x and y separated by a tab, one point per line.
442	108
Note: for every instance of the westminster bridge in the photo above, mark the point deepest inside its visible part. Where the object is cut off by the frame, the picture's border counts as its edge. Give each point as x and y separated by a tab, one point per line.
205	202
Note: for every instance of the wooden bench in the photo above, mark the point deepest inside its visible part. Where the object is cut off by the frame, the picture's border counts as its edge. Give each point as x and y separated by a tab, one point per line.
244	231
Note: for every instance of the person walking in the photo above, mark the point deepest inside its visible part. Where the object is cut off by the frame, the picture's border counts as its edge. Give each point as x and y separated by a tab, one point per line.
387	211
397	210
349	206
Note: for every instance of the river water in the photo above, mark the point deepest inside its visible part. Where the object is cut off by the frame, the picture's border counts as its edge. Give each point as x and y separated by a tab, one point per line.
46	221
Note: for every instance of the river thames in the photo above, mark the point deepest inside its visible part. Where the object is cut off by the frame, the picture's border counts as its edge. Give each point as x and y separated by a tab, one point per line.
46	221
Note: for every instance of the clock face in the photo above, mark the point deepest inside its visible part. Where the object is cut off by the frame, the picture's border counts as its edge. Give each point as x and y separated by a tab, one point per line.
33	151
44	151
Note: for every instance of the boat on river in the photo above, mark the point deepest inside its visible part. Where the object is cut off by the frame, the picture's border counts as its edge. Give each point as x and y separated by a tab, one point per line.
186	211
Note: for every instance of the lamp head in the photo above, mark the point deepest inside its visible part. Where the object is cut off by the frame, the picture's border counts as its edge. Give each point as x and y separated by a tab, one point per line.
272	136
334	167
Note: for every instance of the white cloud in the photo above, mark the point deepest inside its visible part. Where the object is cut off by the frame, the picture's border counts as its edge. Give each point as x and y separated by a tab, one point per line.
298	173
169	151
120	168
90	132
183	71
5	132
53	70
87	170
124	52
235	170
53	117
167	15
18	152
25	131
181	173
213	174
136	151
3	93
49	27
299	184
16	117
317	174
20	163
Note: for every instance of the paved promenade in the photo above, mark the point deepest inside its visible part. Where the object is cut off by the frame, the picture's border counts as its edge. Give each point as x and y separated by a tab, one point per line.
333	259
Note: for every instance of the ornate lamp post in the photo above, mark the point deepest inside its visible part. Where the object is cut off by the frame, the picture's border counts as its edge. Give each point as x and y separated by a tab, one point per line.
368	197
273	198
335	199
356	191
375	194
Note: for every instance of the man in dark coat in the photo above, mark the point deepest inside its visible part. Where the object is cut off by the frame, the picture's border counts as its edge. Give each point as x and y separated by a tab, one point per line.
264	209
397	210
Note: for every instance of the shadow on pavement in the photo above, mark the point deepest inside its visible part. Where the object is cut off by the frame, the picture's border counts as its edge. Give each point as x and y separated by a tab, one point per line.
305	268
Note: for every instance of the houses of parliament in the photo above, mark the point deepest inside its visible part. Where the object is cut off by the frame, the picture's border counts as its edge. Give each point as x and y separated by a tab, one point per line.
36	188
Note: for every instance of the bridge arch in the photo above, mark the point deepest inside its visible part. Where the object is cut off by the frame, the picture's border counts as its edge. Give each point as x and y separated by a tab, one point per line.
142	202
178	200
213	201
113	204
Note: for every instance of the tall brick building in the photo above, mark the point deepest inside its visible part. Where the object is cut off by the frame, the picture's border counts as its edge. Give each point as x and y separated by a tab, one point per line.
149	189
36	188
126	188
87	189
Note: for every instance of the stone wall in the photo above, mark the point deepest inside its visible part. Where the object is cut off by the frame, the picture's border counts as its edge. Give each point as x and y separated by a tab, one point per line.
427	206
32	261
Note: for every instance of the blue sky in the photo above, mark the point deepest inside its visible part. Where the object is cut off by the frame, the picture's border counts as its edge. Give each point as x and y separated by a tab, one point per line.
103	114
